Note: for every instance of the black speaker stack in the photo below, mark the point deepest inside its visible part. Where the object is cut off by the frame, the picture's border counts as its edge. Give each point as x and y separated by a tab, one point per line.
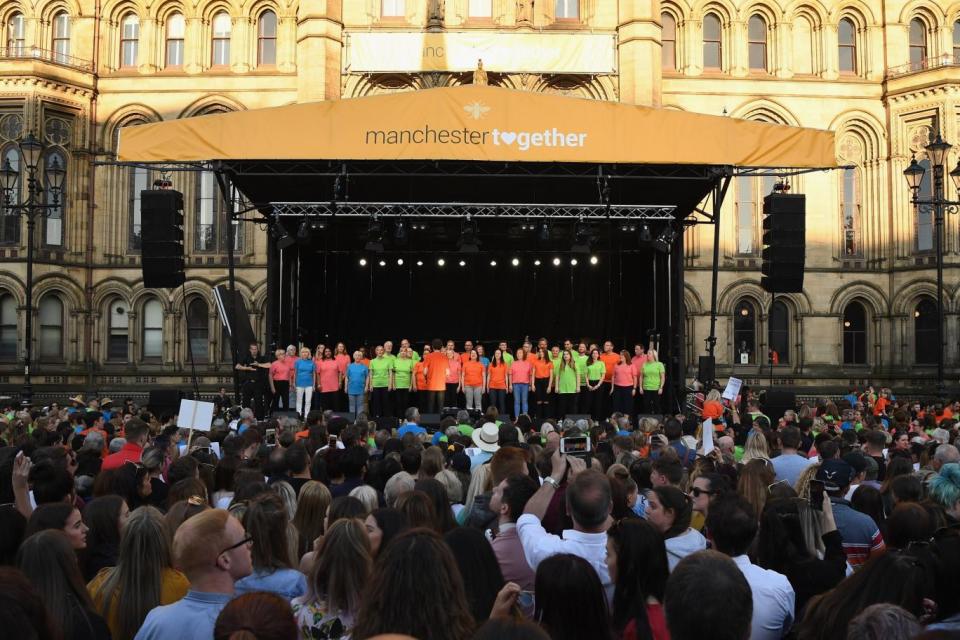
784	242
161	247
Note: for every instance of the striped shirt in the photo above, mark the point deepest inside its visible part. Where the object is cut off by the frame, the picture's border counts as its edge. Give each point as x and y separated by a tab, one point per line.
861	537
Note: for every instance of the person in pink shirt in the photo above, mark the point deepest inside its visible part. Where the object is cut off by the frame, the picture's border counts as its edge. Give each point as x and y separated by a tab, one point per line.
624	385
453	379
330	379
520	370
281	372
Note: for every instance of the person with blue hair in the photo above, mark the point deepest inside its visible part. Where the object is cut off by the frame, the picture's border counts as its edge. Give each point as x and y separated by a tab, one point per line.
945	489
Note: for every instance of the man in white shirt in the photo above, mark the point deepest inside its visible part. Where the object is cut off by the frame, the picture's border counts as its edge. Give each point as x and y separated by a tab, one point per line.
588	503
733	525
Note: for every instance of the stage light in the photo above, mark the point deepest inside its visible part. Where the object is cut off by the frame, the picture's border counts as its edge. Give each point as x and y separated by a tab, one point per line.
374	236
544	233
400	233
645	234
664	241
318	225
469	241
536	263
383	263
594	260
399	262
582	238
463	263
304	231
363	262
515	262
493	263
441	262
573	262
556	262
419	263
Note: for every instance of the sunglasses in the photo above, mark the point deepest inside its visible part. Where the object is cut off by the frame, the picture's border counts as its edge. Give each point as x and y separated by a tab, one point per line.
696	492
246	540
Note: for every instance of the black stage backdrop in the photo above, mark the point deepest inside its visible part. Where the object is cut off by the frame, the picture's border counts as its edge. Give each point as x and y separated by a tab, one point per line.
329	296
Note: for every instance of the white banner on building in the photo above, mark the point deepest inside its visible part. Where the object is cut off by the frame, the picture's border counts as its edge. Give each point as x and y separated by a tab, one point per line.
458	51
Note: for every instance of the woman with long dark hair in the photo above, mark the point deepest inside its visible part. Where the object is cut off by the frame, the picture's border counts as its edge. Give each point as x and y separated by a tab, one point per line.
472	380
416	589
105	517
669	510
61	516
475	558
567	384
48	560
570	601
497	382
596	369
441	503
383	525
144	577
637	561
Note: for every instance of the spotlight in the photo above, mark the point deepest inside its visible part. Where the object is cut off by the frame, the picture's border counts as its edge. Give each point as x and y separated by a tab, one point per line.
363	262
469	241
282	237
318	225
536	263
383	263
441	262
463	263
493	263
573	262
515	262
399	262
645	234
594	260
419	263
664	241
400	233
556	262
543	234
374	236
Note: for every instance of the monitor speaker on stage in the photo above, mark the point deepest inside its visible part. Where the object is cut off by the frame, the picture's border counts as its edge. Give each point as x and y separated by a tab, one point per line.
387	423
289	413
346	415
784	240
430	421
706	369
233	317
161	238
776	402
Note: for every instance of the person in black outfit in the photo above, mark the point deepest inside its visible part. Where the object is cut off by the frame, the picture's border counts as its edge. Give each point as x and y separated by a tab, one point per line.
253	370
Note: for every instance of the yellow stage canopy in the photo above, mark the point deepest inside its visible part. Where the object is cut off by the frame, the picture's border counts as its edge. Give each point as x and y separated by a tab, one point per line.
478	123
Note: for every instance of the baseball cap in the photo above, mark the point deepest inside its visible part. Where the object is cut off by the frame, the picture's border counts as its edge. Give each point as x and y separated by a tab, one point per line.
835	474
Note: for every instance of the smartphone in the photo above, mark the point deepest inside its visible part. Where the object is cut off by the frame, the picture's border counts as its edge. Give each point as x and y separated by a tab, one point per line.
816	495
575	445
525	600
332	442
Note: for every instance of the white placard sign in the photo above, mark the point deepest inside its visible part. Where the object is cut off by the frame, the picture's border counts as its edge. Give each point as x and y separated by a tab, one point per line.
706	433
195	415
733	389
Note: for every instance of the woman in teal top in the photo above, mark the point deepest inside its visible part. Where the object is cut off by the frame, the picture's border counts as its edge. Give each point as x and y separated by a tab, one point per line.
567	384
381	372
596	369
403	382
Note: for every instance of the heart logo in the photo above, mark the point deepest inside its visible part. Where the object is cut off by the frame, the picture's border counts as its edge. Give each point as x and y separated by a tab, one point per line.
508	137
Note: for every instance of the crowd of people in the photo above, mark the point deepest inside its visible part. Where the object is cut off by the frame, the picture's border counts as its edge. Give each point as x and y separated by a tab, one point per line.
839	519
543	382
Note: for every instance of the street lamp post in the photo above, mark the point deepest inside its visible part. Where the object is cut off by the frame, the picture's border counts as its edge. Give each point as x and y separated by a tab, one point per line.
31	205
937	152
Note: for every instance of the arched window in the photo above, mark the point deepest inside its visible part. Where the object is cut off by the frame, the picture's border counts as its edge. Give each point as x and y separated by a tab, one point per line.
850	208
139	179
778	333
61	37
956	42
750	194
745	333
918	44
668	41
220	42
393	8
199	329
53	220
129	40
176	33
757	43
152	330
925	331
802	46
924	216
854	334
267	39
10	224
568	9
480	9
8	327
16	35
712	42
118	331
50	316
847	46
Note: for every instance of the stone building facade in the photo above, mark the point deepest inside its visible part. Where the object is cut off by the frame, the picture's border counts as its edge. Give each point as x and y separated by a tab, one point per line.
884	76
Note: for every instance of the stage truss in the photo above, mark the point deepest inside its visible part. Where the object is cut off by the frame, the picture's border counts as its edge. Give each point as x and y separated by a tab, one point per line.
458	210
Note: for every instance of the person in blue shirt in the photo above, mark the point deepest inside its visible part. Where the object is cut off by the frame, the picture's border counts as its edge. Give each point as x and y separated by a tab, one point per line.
410	420
356	383
305	379
852	397
213	551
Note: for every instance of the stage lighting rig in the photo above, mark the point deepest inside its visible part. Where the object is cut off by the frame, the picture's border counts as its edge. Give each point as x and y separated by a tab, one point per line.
303	233
543	232
374	236
664	241
582	238
282	238
400	234
646	235
469	241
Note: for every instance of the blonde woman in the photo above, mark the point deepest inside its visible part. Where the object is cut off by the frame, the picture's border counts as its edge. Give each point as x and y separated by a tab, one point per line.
755	448
653	377
305	379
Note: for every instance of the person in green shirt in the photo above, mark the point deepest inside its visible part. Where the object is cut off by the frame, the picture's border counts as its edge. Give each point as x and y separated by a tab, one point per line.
567	384
595	369
582	358
405	344
507	356
403	379
381	372
654	376
388	351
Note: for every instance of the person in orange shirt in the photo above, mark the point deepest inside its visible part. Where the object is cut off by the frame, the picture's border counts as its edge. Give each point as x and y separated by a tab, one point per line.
529	356
467	348
610	359
471	381
435	374
542	377
497	382
420	376
453	381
